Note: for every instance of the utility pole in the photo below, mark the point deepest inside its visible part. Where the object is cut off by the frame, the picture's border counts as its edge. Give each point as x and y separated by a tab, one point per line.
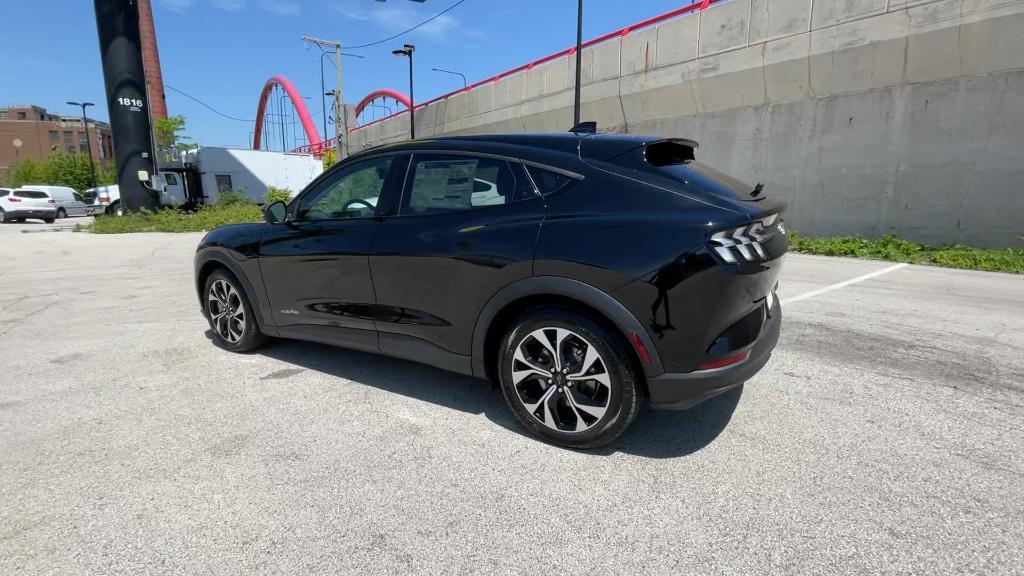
340	129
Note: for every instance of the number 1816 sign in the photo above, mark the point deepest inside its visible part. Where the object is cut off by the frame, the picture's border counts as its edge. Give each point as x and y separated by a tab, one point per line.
133	104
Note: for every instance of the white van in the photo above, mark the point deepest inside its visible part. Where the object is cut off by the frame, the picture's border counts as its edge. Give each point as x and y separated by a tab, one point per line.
67	201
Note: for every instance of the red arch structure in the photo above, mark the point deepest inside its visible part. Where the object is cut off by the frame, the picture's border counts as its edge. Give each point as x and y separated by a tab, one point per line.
308	126
382	93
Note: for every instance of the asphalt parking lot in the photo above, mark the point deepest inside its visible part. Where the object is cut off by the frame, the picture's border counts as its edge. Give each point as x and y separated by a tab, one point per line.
886	435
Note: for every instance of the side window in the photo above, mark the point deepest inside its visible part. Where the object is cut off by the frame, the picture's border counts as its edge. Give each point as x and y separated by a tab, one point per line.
171	179
351	193
3	193
78	197
440	183
224	183
548	181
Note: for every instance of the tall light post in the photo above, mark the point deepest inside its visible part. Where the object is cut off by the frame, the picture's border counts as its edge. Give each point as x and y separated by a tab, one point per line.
88	142
464	84
579	64
407	50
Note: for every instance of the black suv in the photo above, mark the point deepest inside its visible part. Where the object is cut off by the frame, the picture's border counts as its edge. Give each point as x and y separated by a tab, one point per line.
583	273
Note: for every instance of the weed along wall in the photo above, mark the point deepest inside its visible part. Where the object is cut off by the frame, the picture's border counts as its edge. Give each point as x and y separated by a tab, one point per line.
868	116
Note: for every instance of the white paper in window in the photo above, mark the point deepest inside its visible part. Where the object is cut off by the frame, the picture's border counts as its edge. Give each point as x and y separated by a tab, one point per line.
443	184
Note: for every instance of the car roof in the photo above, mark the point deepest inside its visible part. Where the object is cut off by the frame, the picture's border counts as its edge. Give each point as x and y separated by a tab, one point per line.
524	144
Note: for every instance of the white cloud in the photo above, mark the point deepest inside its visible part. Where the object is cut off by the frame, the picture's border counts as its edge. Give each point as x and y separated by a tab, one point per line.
229	5
282	7
179	6
392	19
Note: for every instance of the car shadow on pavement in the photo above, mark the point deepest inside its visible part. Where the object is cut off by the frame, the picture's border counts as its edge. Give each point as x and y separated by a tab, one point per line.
655	434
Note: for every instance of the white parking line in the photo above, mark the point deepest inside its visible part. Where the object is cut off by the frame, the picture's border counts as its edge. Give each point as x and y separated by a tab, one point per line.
844	284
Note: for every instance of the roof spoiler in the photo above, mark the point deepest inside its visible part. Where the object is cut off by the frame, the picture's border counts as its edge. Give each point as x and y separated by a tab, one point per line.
584	128
670	151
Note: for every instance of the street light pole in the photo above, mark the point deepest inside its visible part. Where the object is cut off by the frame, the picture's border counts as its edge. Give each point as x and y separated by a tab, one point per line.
323	105
88	142
579	63
407	50
464	84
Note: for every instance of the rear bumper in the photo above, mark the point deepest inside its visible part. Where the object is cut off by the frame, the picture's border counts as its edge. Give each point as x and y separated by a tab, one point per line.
680	391
40	213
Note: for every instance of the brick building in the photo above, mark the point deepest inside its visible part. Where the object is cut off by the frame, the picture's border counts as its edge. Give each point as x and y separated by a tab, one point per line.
41	134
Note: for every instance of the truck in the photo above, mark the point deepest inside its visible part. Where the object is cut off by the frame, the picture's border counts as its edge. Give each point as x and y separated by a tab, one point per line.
202	174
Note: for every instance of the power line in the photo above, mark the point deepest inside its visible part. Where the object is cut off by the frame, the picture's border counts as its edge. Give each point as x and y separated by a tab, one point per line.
425	22
211	108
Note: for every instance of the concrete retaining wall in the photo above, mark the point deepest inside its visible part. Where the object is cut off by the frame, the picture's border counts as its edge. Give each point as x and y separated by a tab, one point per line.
868	116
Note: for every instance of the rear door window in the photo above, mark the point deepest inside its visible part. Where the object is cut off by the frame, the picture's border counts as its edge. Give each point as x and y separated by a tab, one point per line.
30	194
441	183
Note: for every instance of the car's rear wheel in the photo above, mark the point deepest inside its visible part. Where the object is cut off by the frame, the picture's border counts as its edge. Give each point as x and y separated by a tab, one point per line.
61	213
568	379
48	220
3	217
230	314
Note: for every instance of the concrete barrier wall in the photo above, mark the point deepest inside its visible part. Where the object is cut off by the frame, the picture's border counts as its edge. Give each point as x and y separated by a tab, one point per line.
868	116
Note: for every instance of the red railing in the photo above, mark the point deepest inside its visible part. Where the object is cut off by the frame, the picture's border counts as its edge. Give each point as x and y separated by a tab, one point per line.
620	33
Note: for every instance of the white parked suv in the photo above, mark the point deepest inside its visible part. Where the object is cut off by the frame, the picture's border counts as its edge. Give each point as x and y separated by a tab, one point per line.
21	203
67	201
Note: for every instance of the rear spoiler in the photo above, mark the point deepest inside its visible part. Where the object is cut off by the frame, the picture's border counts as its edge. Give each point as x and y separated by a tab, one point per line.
670	151
655	152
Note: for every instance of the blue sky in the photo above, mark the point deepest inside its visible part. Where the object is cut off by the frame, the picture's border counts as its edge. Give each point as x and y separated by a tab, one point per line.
222	51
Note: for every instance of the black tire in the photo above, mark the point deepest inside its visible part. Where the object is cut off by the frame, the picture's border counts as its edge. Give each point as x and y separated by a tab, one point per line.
621	398
250	337
3	217
48	220
61	213
113	208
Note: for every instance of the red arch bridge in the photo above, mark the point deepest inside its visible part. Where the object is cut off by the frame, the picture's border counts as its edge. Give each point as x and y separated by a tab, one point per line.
378	100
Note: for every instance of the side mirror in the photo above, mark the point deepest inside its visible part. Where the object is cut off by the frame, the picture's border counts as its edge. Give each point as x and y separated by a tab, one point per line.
275	212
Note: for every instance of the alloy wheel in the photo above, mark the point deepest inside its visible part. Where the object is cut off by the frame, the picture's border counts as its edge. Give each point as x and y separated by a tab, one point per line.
227	314
561	379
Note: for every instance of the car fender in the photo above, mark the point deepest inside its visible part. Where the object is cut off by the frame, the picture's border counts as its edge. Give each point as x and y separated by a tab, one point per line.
254	289
622	318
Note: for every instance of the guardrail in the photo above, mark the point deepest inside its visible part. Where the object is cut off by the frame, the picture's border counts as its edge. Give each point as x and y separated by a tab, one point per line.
697	6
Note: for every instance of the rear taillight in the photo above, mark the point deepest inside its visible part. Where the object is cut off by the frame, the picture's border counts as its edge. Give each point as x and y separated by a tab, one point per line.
13	199
723	362
50	201
744	243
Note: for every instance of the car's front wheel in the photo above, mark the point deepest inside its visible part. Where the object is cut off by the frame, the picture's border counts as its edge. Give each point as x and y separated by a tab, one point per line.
230	314
568	379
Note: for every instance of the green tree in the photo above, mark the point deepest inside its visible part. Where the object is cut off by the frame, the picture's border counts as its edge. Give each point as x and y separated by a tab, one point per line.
61	170
169	137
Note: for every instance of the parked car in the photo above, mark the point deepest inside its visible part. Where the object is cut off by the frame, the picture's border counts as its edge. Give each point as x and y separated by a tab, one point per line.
601	271
67	201
19	204
104	199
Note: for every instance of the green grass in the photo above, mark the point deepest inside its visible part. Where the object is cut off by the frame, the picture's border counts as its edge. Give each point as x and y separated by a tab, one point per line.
891	248
171	220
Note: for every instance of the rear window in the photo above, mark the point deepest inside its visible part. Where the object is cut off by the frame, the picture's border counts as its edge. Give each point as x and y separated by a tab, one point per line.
30	194
3	193
705	178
